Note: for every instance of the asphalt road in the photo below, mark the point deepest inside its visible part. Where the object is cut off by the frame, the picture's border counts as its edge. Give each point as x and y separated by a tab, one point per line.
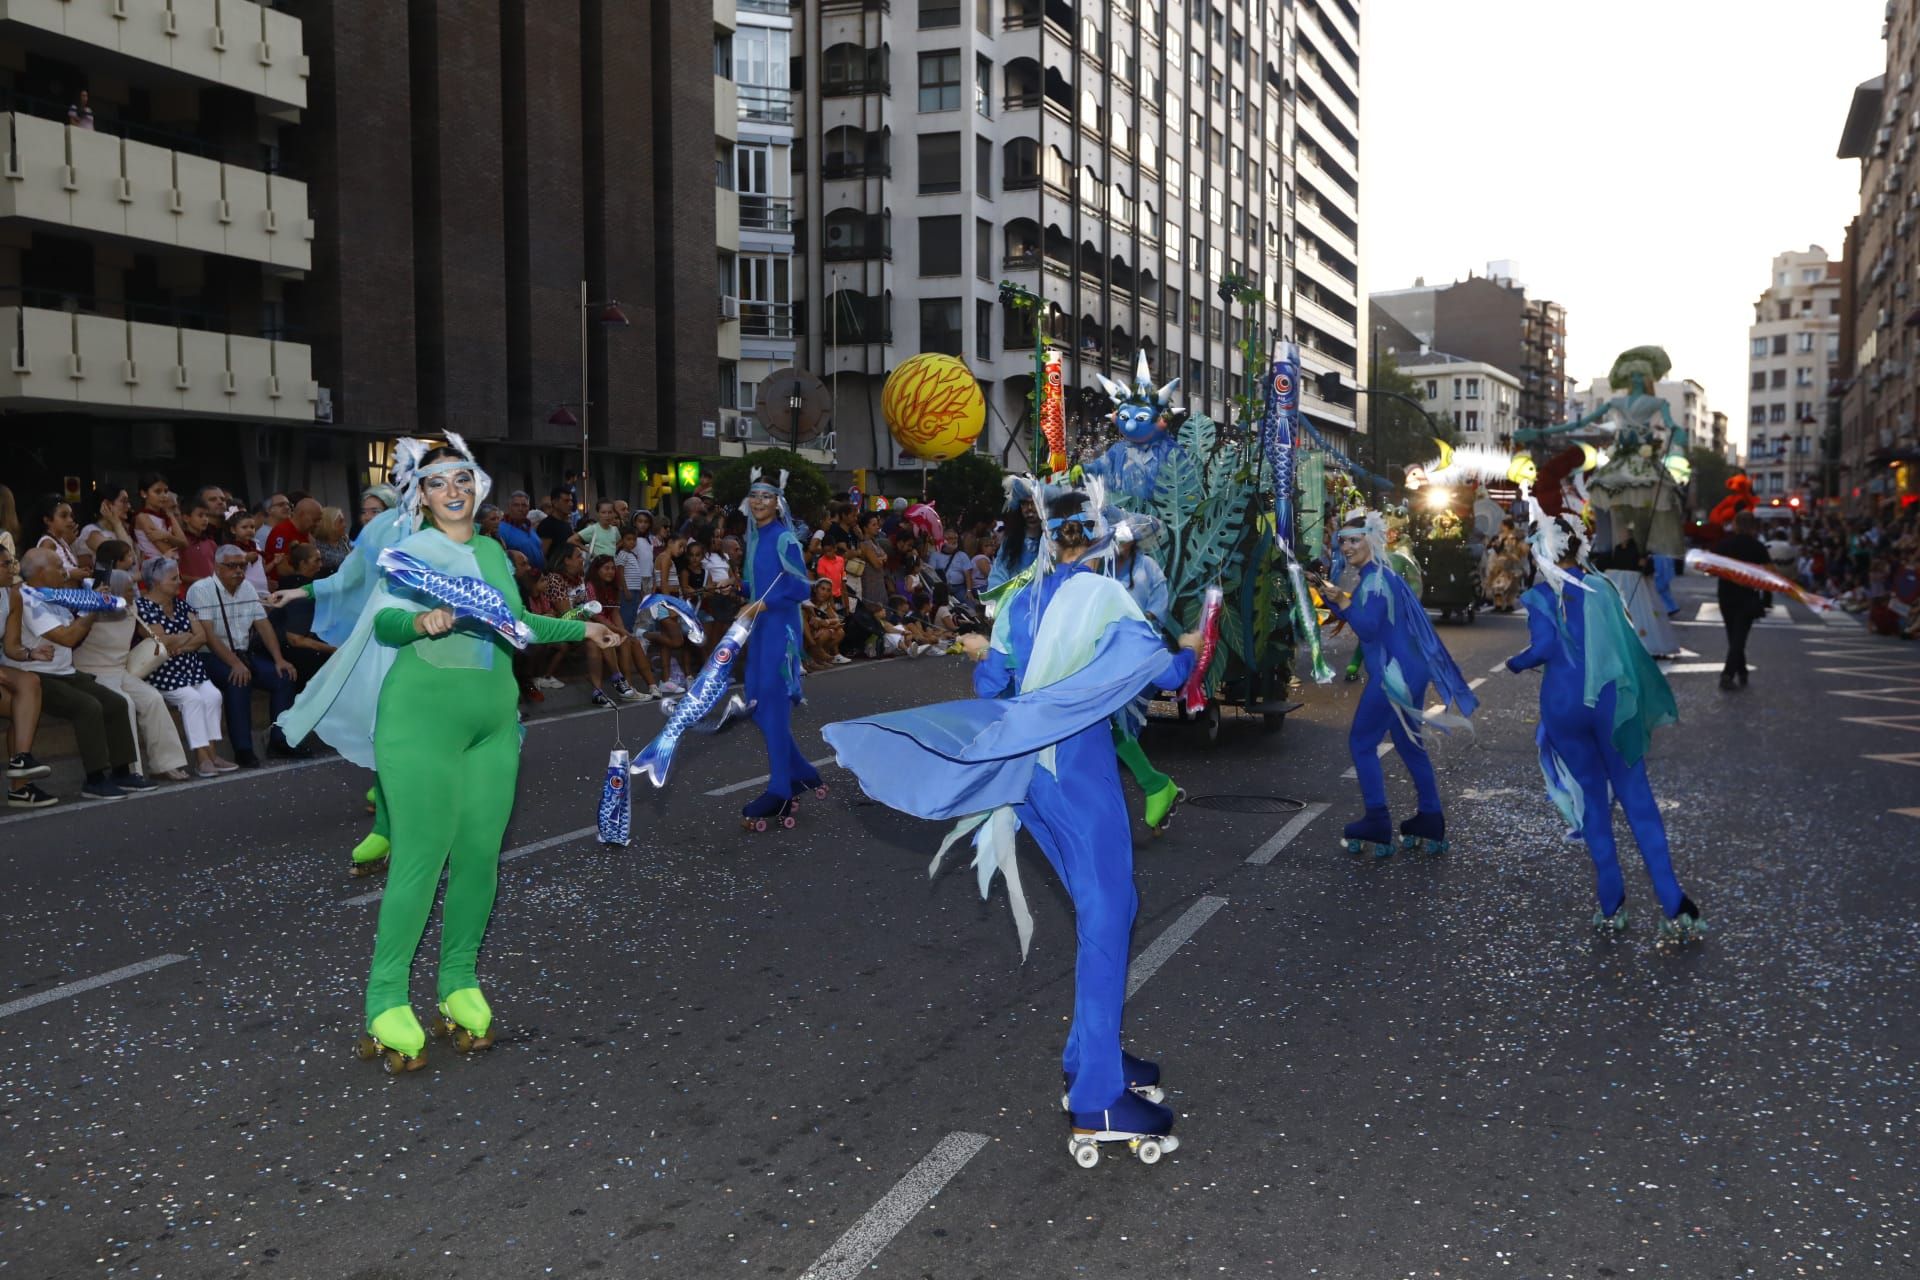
791	1054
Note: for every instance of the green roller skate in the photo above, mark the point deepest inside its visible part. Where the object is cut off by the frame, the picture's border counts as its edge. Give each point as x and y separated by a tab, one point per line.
370	855
396	1034
465	1017
1161	804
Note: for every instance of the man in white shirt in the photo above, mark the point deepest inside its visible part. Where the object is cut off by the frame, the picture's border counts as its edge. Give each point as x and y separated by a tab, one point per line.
41	638
246	653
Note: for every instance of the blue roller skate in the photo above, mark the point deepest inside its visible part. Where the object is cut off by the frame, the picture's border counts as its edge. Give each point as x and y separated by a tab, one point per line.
766	810
1685	926
1146	1128
1425	832
1374	831
1141	1077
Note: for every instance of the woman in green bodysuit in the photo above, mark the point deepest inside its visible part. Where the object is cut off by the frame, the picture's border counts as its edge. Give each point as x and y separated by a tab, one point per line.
433	708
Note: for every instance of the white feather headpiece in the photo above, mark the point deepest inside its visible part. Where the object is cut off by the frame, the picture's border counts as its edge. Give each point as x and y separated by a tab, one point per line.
1549	537
408	456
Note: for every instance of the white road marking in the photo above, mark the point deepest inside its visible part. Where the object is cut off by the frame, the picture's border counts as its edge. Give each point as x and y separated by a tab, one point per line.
1911	724
518	851
25	1003
761	779
1906	813
1284	836
855	1251
1910	696
1161	949
1699	668
1911	758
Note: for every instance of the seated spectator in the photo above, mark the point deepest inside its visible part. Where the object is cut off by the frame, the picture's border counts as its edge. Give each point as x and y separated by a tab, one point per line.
42	641
20	704
156	525
331	541
248	651
196	556
825	630
871	635
917	627
111	512
602	537
266	519
628	660
58	533
953	570
182	679
293	623
103	655
525	578
516	532
296	528
930	624
375	501
560	590
241	533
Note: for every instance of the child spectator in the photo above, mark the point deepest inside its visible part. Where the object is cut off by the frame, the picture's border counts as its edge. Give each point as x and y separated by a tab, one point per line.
825	629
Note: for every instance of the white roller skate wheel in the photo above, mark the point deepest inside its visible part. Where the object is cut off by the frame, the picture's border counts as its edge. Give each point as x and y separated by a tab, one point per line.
1148	1151
1064	1104
1085	1153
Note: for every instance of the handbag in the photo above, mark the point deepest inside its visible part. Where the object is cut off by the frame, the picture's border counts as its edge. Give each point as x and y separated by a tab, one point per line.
147	653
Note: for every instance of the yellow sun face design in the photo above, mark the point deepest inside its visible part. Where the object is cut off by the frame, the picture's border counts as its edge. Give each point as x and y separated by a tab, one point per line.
933	406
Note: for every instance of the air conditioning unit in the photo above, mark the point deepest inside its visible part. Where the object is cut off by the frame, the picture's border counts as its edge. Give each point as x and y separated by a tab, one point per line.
840	235
729	307
741	428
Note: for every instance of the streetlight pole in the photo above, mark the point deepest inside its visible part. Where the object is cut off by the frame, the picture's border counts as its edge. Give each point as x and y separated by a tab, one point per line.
1373	380
611	317
794	401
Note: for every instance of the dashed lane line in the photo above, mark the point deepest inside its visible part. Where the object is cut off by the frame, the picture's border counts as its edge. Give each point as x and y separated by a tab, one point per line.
1284	836
854	1252
34	1001
1161	949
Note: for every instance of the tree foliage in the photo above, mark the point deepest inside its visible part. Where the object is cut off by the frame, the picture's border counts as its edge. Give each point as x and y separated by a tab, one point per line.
966	489
1406	434
807	490
1709	483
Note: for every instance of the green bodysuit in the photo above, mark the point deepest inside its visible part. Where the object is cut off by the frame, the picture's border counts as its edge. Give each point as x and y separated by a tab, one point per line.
447	749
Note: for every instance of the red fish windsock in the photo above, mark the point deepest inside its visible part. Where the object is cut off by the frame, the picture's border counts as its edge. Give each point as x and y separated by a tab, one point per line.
1756	576
1195	691
1053	413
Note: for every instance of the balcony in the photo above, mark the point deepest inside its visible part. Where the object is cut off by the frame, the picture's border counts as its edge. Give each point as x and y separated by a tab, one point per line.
234	43
765	319
1028	261
777	8
761	104
74	360
767	214
726	109
66	176
1020	101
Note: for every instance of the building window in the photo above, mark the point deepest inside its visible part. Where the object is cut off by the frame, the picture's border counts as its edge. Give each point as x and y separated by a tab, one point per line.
1473	420
766	295
983	86
1759	347
940	326
1456	388
1777	413
983	168
939	163
1021	161
1776	483
983	248
940	246
729	385
1433	388
983	16
939	13
1780	343
1803	376
1473	388
1758	380
983	329
1779	378
1805	343
1757	418
940	81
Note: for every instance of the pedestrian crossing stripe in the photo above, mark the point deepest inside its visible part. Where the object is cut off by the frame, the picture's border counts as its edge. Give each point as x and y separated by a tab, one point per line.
1876	672
1698	668
1904	757
1710	612
1906	813
1910	724
1893	694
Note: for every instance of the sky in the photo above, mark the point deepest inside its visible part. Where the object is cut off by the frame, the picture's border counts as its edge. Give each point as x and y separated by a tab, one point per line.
1641	161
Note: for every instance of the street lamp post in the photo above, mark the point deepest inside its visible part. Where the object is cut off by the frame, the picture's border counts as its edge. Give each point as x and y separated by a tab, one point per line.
611	317
794	401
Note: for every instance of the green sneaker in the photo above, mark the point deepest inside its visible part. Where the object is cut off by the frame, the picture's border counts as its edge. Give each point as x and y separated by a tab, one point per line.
465	1017
397	1034
371	854
1161	801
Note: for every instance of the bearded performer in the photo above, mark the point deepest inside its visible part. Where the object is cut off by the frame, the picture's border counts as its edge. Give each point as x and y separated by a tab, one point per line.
1402	655
777	584
1601	697
430	703
1034	749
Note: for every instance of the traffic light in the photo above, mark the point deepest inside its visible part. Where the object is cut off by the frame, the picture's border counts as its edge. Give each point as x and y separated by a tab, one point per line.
686	474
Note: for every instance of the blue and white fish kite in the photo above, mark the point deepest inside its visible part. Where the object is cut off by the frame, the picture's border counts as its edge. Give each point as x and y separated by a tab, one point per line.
658	606
468	598
1278	431
616	803
709	691
73	599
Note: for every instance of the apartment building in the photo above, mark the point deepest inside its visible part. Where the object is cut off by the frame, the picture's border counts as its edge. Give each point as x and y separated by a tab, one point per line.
1792	346
1481	400
1120	161
1878	367
272	241
1488	318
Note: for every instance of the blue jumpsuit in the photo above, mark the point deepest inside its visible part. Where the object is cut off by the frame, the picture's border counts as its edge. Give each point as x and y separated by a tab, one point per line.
776	574
1078	815
1584	736
1388	643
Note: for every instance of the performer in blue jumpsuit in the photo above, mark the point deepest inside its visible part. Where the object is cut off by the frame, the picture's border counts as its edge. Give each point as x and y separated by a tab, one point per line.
1035	750
776	583
1601	697
1402	656
338	600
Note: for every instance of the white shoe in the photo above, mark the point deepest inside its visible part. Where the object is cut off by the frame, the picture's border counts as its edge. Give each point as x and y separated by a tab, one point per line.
641	695
670	686
841	659
627	693
548	682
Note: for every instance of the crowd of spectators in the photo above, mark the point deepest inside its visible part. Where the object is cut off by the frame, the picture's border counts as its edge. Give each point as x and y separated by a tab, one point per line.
1869	566
168	687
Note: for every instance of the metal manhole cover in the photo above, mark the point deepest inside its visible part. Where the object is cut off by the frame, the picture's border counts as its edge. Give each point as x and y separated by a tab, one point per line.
1247	804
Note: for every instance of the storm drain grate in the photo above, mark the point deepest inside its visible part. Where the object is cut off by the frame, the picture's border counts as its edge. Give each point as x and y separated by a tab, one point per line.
1247	804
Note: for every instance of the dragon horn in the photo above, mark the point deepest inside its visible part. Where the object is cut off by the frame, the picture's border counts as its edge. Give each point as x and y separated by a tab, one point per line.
1165	393
1142	376
1116	391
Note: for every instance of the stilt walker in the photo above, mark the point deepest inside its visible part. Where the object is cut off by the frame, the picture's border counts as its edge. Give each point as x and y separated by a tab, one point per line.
1402	655
338	599
776	582
1601	697
1035	750
428	699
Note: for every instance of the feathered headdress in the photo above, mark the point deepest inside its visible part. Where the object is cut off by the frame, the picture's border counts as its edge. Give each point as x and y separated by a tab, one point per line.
1549	537
757	482
408	471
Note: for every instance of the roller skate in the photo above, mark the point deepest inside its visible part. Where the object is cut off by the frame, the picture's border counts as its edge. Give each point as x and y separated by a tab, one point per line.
372	806
370	856
809	780
1141	1077
466	1019
1144	1126
397	1034
1161	805
1425	832
768	808
1374	831
1686	925
1610	925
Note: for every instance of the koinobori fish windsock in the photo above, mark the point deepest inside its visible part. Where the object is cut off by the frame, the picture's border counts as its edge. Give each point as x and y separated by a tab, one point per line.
1053	413
1278	429
1306	624
709	690
470	599
1195	691
616	802
1756	576
73	599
